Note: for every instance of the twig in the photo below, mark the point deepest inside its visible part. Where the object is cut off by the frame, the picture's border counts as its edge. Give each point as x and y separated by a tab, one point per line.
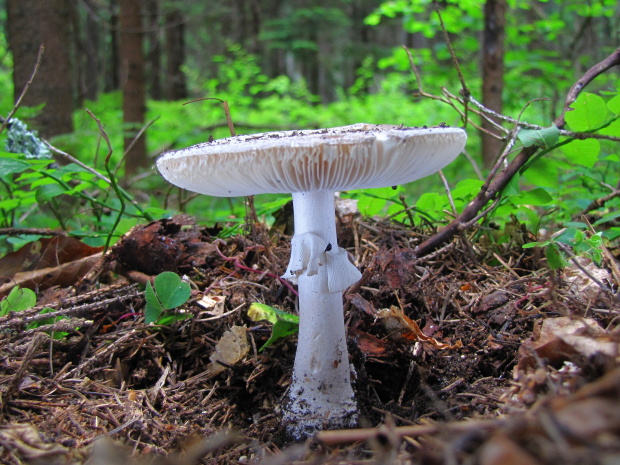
347	436
238	264
25	90
34	231
584	270
131	144
464	89
595	71
598	203
72	159
495	183
21	371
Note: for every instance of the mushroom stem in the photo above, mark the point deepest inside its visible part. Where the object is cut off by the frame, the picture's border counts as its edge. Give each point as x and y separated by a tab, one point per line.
321	395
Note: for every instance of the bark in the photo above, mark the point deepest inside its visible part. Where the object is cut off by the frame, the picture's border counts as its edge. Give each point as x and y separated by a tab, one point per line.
113	74
154	54
133	84
175	55
492	72
53	84
92	45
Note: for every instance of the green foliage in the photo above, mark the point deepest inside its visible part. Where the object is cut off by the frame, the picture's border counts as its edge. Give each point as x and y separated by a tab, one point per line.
540	38
49	321
18	300
170	292
38	193
577	239
284	324
544	138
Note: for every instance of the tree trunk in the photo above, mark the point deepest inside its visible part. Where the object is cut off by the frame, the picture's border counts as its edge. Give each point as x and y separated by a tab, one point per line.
30	24
113	74
133	85
492	72
93	55
176	85
153	56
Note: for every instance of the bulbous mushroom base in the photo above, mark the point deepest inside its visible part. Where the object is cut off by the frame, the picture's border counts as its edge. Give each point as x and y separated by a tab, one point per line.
303	417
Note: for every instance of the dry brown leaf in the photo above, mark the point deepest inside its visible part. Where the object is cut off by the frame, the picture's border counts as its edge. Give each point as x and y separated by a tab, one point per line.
45	253
231	348
62	275
562	338
401	328
580	284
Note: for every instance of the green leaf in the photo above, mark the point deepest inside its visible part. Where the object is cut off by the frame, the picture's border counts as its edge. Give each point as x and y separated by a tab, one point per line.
171	290
555	259
614	105
531	245
607	217
11	166
512	188
284	324
153	308
466	189
545	138
49	321
19	299
167	320
589	112
537	196
543	173
583	152
49	191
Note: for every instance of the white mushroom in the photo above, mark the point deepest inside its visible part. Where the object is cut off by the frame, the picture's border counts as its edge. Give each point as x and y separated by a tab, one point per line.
313	165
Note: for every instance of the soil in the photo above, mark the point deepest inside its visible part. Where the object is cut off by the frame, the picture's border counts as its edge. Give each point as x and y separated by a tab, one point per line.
511	365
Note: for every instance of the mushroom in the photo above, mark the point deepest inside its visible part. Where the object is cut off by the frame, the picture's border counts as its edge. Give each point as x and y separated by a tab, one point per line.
313	165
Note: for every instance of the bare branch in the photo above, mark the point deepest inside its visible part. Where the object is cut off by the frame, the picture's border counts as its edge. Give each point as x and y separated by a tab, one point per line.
496	182
25	90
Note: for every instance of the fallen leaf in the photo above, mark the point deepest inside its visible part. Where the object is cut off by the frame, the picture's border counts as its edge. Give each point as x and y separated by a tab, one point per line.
371	346
563	338
580	284
361	304
45	253
232	347
401	328
63	275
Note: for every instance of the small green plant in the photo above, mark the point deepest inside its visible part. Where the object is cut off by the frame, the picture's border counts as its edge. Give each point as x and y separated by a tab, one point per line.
284	324
169	292
570	241
20	299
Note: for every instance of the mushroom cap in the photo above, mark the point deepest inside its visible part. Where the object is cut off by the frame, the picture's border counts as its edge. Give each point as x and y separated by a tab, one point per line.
359	156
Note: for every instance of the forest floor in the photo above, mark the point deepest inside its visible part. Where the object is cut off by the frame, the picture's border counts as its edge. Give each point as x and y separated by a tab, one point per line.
535	378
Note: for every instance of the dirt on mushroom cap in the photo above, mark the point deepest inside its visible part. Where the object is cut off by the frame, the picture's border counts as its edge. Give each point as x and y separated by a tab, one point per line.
358	156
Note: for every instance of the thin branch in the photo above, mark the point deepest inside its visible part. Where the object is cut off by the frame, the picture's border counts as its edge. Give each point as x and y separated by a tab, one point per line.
72	159
33	231
494	184
131	144
595	71
25	90
598	203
